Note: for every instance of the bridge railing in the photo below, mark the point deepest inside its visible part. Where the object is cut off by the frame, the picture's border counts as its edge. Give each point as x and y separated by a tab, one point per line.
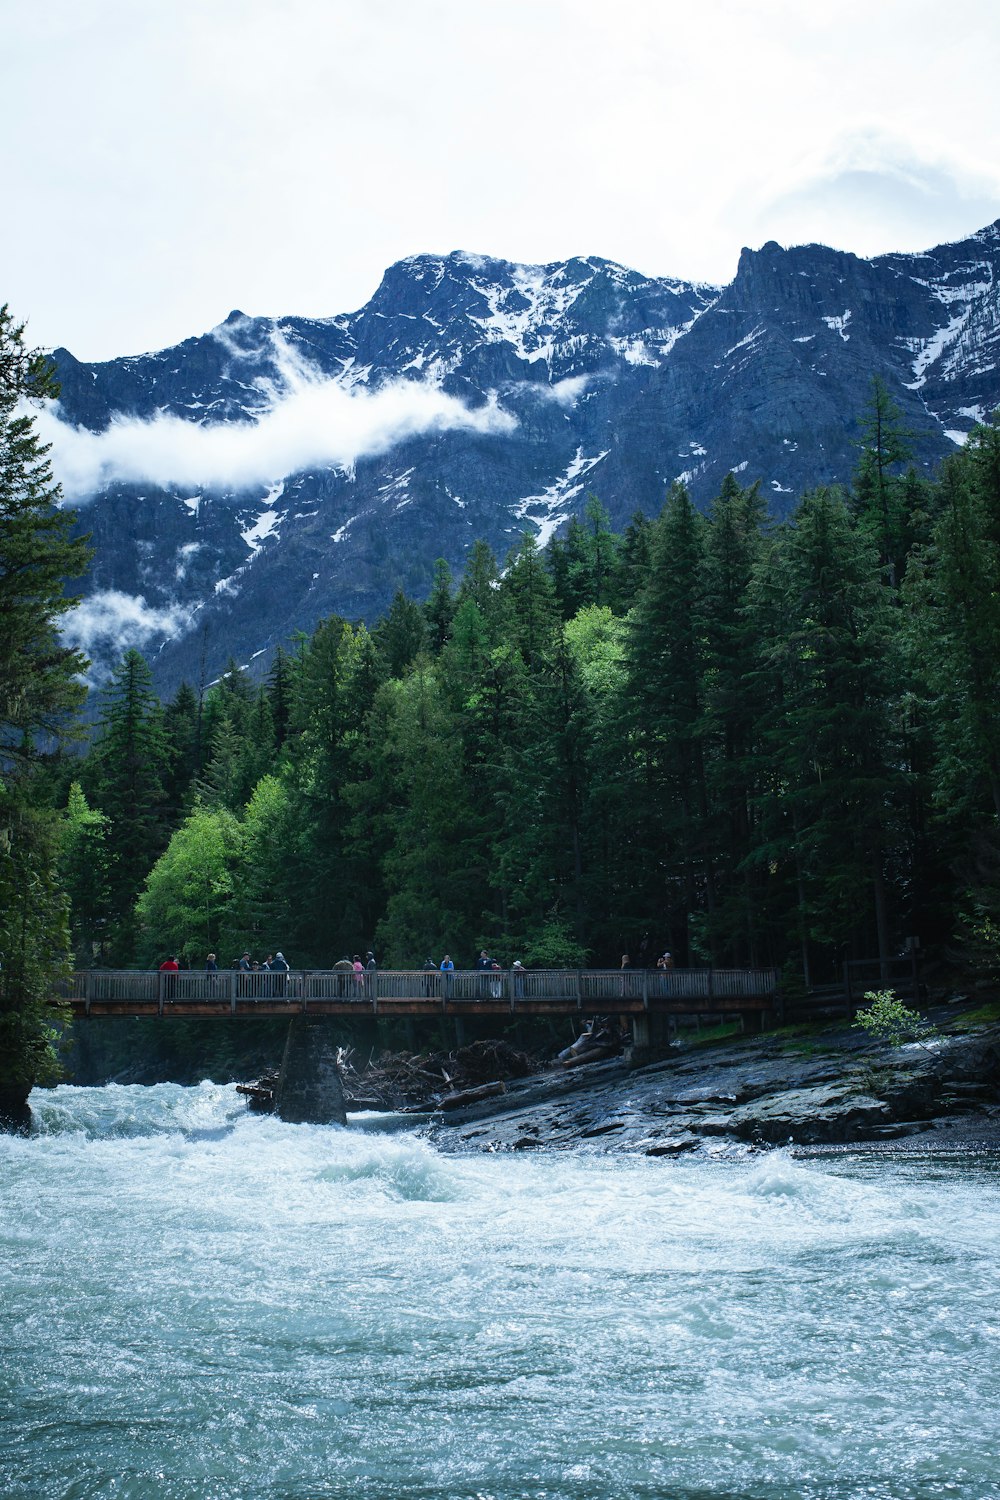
589	989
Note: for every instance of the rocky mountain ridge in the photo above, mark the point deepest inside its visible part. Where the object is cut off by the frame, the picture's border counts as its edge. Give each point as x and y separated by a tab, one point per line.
253	479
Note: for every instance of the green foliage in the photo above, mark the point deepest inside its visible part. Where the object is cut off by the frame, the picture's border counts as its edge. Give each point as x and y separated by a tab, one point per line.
34	943
39	677
881	496
184	906
127	773
887	1019
439	610
706	734
433	865
402	635
553	947
979	933
39	693
826	678
83	869
953	631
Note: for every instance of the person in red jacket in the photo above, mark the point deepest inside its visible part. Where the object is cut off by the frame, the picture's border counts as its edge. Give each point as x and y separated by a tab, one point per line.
169	966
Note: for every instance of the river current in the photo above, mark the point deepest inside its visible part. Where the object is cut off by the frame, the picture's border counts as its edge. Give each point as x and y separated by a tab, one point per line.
200	1304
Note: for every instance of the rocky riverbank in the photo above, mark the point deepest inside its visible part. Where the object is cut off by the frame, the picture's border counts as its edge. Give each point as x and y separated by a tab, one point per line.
801	1086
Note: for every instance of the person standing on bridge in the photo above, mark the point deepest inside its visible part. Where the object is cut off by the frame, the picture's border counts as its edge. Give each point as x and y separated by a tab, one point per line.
448	970
169	967
342	968
279	968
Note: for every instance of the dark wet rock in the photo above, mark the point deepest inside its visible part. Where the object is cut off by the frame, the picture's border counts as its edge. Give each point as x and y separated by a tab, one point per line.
674	1147
827	1088
809	1116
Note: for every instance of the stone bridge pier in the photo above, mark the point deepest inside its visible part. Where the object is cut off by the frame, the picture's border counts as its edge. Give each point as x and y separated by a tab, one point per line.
310	1090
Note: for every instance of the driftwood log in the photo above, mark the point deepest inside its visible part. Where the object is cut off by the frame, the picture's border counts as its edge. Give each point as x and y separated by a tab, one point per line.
461	1097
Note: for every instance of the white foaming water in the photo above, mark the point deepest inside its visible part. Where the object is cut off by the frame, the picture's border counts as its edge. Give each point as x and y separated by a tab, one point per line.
204	1305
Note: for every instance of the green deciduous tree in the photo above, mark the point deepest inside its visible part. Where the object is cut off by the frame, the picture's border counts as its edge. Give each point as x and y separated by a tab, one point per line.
83	870
184	906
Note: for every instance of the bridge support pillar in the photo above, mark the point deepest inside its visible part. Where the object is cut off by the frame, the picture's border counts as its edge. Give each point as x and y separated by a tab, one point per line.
650	1039
310	1090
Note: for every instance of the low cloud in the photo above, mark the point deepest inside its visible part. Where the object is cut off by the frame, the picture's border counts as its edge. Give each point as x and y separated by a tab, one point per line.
112	622
566	392
312	422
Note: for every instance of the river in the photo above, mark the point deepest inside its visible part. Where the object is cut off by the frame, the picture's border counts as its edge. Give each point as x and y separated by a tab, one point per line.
200	1304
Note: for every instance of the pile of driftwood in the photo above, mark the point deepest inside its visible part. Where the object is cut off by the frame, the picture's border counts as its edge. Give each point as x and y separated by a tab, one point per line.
423	1081
260	1095
434	1080
603	1037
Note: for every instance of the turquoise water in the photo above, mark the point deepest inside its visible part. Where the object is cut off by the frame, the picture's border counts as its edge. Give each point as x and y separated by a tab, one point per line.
195	1302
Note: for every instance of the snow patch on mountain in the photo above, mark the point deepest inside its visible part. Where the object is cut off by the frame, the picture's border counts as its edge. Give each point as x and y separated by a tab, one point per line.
267	522
932	349
548	510
839	324
747	342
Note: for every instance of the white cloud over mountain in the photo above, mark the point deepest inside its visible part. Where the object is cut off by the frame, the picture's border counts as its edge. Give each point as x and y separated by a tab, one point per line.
312	423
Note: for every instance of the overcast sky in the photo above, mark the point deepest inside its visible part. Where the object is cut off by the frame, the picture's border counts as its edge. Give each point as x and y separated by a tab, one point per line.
167	163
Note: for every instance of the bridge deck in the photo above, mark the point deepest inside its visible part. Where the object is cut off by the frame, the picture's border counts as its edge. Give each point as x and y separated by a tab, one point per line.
108	992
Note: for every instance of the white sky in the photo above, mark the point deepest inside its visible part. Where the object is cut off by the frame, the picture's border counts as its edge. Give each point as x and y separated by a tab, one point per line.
166	163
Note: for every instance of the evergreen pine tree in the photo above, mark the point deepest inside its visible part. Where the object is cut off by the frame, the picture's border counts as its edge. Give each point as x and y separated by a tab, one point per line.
828	730
665	662
529	597
880	495
734	547
401	635
440	608
40	691
129	764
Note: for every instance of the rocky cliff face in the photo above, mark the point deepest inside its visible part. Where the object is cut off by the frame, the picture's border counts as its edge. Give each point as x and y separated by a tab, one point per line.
252	480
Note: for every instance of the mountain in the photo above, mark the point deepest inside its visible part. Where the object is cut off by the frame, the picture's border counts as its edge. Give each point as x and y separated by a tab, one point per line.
248	482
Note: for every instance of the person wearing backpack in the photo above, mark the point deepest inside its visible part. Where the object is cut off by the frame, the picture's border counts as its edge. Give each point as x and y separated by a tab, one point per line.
279	967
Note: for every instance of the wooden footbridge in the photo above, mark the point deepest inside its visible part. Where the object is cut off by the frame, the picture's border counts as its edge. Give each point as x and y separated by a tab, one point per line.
385	993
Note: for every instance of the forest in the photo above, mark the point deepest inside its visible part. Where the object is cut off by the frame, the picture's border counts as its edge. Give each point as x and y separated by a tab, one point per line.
747	742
